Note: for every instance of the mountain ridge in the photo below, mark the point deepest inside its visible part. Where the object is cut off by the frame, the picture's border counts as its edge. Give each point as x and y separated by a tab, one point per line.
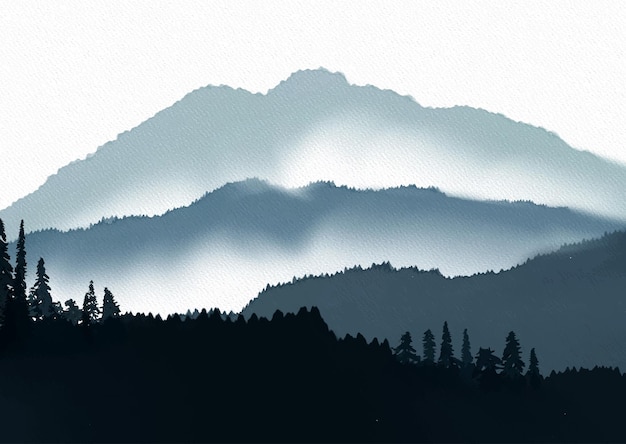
579	284
359	136
221	250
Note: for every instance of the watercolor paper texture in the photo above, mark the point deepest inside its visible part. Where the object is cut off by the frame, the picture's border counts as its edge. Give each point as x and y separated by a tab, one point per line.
390	167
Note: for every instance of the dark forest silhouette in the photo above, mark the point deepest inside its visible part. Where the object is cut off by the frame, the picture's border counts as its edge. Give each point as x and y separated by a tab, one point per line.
96	375
18	310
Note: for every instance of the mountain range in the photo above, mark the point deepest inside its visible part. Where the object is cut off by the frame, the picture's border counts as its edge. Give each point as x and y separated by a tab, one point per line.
570	305
227	192
227	246
316	126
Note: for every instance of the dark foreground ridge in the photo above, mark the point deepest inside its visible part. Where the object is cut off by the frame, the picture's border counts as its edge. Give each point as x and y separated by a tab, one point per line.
212	378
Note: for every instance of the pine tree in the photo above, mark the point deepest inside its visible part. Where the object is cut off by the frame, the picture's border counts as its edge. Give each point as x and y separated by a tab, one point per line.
40	301
17	315
20	264
446	355
6	274
405	353
72	313
466	353
533	375
110	308
428	343
512	364
91	311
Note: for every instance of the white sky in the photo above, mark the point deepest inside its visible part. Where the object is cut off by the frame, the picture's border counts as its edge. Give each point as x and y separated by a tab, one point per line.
74	74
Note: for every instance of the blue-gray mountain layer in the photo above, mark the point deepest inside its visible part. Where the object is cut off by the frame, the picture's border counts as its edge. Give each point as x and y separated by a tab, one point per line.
570	305
227	246
315	126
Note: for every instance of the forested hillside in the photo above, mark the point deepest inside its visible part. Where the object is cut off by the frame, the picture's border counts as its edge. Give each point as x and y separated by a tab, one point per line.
569	303
97	375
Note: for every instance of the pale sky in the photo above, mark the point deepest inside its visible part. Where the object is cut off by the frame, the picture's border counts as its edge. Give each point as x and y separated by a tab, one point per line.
74	74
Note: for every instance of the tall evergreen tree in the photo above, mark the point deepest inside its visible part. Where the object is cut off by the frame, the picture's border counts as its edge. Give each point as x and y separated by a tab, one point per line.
17	315
6	274
20	264
72	313
466	352
41	305
110	308
428	343
405	353
91	311
533	375
512	364
446	355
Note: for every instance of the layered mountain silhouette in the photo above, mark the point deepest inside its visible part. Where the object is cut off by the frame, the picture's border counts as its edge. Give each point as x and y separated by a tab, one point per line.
315	126
227	246
570	305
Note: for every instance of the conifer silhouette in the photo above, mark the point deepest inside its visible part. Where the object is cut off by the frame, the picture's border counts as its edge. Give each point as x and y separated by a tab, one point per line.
428	343
17	316
405	353
466	352
512	364
533	375
446	354
110	308
6	274
91	311
40	300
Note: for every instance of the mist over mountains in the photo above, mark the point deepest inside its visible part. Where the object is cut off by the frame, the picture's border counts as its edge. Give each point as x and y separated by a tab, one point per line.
315	126
212	237
227	246
254	203
569	304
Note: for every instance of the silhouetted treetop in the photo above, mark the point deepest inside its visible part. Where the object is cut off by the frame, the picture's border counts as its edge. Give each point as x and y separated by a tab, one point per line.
40	299
466	352
428	343
405	353
512	364
110	308
6	273
91	312
446	354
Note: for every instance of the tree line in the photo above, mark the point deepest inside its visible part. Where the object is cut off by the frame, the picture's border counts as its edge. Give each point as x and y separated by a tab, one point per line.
284	379
19	307
489	370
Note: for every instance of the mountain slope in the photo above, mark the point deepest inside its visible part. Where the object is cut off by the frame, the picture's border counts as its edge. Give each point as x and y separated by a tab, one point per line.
227	246
315	126
569	305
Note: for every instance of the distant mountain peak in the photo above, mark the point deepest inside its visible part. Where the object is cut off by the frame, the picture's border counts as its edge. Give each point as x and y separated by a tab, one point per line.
308	80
